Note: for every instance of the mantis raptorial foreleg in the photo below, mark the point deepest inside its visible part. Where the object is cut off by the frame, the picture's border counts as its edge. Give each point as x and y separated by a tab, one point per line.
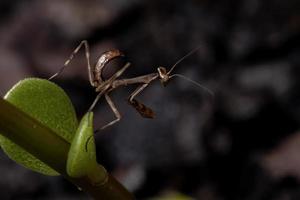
141	108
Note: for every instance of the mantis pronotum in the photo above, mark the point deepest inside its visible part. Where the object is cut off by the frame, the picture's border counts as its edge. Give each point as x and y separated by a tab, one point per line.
104	87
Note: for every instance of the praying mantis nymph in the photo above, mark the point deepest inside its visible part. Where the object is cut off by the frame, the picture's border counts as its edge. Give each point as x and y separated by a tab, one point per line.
104	87
49	104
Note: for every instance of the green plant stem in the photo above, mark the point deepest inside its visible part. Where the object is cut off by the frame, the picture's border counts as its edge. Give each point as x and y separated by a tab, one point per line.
44	144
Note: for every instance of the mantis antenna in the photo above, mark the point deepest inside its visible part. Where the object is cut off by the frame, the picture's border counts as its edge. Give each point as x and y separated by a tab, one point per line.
183	58
184	77
194	82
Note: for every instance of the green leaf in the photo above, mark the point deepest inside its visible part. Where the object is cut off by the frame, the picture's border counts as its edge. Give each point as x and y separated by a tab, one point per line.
49	104
82	154
26	129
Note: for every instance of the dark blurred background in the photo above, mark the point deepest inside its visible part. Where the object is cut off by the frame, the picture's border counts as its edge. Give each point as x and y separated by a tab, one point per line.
243	144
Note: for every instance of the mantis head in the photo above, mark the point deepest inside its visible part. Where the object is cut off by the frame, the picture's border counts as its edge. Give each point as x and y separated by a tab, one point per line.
163	75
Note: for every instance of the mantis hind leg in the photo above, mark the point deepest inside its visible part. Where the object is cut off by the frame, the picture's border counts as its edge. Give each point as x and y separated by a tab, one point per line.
87	56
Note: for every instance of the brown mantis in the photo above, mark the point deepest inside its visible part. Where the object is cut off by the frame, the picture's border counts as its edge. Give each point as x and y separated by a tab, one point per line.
104	87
